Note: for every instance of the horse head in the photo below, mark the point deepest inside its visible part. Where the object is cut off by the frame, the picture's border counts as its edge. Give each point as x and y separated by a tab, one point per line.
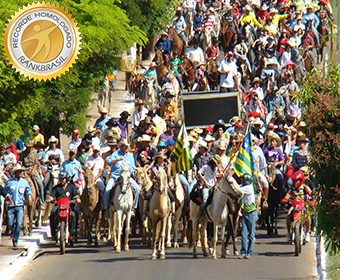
142	179
124	177
230	185
161	181
158	59
89	179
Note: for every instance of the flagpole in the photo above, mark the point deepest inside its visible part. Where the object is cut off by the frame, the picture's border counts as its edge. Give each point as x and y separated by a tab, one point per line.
226	169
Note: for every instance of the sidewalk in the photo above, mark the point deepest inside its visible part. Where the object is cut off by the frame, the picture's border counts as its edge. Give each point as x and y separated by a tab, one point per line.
13	259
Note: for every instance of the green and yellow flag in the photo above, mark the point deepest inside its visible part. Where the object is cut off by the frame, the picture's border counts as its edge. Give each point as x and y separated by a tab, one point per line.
181	153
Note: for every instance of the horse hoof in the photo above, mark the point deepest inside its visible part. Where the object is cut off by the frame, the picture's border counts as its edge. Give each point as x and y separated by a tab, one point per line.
185	240
214	257
117	250
227	252
168	245
88	244
199	244
176	245
211	251
194	256
205	254
223	256
153	257
126	248
162	256
236	253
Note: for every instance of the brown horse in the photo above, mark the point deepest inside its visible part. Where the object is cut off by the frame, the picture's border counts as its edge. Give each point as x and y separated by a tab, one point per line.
233	224
90	206
189	69
30	209
212	75
226	35
161	69
176	42
134	84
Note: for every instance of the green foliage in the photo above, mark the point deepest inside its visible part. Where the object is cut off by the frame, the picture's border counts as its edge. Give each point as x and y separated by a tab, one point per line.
321	100
106	32
151	16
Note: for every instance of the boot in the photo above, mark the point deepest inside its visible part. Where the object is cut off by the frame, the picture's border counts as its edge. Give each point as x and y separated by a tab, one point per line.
145	208
173	208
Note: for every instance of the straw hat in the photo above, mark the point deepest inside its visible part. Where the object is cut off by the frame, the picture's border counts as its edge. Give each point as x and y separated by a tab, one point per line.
191	139
198	130
35	127
112	142
145	138
302	138
103	111
123	142
247	8
257	80
209	138
291	42
193	134
91	129
153	64
276	138
234	120
217	159
202	143
139	102
53	139
16	168
264	7
160	155
273	11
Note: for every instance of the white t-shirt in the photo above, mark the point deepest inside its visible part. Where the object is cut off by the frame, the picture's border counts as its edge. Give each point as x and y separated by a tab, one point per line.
208	174
98	164
249	195
56	152
227	81
196	54
135	117
10	158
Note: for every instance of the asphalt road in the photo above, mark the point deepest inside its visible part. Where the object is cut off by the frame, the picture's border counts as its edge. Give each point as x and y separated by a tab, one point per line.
273	258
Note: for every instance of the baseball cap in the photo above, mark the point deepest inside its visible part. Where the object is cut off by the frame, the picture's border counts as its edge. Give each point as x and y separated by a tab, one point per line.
35	127
143	154
170	142
76	131
209	128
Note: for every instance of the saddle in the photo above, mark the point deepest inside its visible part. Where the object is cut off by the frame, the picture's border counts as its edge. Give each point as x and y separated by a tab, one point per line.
197	197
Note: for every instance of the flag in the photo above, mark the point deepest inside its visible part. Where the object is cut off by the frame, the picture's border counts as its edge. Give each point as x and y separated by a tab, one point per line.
181	153
244	161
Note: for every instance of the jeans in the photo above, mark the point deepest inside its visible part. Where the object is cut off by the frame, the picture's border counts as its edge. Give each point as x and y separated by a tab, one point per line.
37	178
53	224
111	183
15	216
223	89
188	187
248	229
2	202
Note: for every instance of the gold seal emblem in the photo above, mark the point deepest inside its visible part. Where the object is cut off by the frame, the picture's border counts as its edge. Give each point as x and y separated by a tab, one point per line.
42	41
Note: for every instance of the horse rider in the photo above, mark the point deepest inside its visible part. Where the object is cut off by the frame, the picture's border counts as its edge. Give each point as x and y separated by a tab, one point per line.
188	5
175	64
164	45
150	75
76	140
37	136
249	217
64	189
116	160
158	162
315	21
4	195
54	158
273	101
179	25
208	175
230	18
18	188
209	21
73	168
228	70
249	18
29	159
213	52
101	121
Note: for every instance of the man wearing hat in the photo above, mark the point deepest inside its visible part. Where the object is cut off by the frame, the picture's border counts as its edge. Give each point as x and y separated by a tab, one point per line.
30	160
96	163
138	115
112	130
209	21
229	17
228	70
17	187
270	72
195	53
101	122
276	16
179	25
213	52
150	74
76	140
208	173
257	84
274	101
164	44
37	136
169	133
301	156
188	4
145	140
310	16
116	160
202	157
262	14
73	167
249	18
54	155
169	109
112	144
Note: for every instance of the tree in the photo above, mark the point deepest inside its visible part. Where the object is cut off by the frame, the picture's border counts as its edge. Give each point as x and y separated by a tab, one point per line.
106	32
320	98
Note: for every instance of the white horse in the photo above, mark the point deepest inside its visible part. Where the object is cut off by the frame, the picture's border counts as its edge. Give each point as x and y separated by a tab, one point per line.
150	96
105	93
189	20
216	212
123	203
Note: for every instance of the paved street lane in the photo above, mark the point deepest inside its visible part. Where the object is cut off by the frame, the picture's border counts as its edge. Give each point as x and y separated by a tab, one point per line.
273	259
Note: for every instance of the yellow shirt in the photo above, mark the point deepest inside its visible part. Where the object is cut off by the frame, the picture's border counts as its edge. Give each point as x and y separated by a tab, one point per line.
277	18
251	19
38	138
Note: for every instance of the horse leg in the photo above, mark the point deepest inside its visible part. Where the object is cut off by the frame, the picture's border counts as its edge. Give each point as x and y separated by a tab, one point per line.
175	226
194	236
214	240
127	231
276	213
119	229
223	254
184	230
204	238
168	232
154	240
162	238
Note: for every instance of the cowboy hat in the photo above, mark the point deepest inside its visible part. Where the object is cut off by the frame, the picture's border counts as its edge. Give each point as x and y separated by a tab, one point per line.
228	8
123	142
257	80
103	111
209	138
309	6
299	17
264	7
271	62
301	124
275	137
247	8
191	139
152	64
234	120
53	139
29	144
124	114
112	122
145	138
108	135
217	159
112	142
160	155
302	138
18	167
90	129
198	130
139	102
257	121
273	10
35	127
164	33
234	134
291	42
193	134
211	9
202	143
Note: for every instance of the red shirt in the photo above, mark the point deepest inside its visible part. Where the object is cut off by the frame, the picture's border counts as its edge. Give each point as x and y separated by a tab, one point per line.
212	51
262	14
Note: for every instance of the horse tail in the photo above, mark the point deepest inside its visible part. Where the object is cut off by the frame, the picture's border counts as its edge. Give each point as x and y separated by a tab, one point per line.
189	234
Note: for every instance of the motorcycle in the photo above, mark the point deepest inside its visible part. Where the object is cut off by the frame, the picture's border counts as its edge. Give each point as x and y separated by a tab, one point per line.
298	227
63	219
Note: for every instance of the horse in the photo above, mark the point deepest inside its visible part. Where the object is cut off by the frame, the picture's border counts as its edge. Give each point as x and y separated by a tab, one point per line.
158	214
273	201
205	38
161	69
176	42
189	69
216	213
90	206
144	181
149	96
225	35
232	225
189	20
212	75
123	203
105	93
134	84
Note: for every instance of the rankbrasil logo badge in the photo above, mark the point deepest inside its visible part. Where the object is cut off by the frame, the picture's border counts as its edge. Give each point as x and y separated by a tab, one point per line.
42	41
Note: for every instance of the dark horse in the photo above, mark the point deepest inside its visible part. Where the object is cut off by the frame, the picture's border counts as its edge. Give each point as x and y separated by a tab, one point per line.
212	75
273	201
226	35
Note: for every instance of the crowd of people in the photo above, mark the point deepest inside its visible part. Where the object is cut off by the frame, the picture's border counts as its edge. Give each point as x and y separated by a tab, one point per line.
269	106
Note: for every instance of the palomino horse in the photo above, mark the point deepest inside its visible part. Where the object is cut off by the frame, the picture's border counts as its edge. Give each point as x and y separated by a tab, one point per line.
189	20
212	75
145	183
189	68
30	209
216	213
179	201
123	203
161	69
176	41
159	212
205	38
90	206
149	96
